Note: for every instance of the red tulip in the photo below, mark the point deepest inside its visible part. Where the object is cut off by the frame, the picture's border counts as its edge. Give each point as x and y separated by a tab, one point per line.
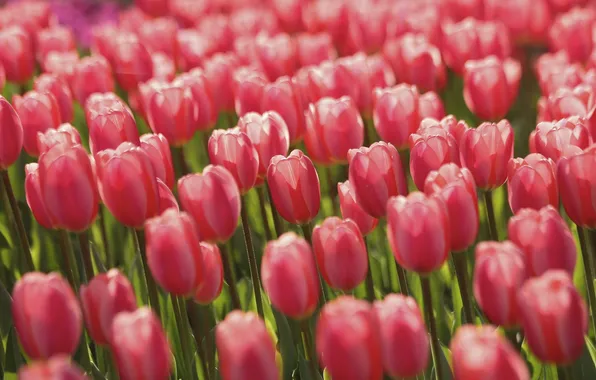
498	273
139	346
249	86
314	48
380	72
276	55
58	367
193	48
246	350
252	20
572	32
555	71
552	139
202	93
61	64
219	71
159	35
188	12
11	134
106	295
289	275
486	151
174	253
38	112
376	168
283	97
347	328
532	182
153	7
554	317
128	185
527	20
349	76
480	352
130	61
416	61
431	105
404	340
164	67
56	86
34	196
212	283
418	231
91	74
575	175
213	200
157	148
217	28
110	122
55	38
46	315
68	187
419	18
16	54
268	134
490	86
545	239
341	253
294	185
167	199
65	134
350	209
567	103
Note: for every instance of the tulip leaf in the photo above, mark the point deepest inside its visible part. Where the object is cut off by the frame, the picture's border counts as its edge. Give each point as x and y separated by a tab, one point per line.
287	347
585	366
5	311
305	371
14	358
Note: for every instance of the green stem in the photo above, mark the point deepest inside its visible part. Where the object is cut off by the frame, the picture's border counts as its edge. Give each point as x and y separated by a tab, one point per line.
183	333
404	158
151	285
86	254
461	270
229	276
252	258
277	222
370	285
68	261
331	189
178	153
512	337
432	326
307	231
564	372
27	263
264	215
199	323
402	278
589	270
110	262
309	347
490	215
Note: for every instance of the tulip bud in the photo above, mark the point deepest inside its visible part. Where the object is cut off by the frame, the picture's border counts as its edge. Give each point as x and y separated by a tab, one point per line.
554	317
245	348
498	273
202	93
211	284
16	54
55	38
106	295
219	71
283	97
11	134
377	167
294	185
575	176
159	35
404	340
480	352
351	209
38	112
276	55
110	122
139	346
193	48
34	196
91	74
289	276
571	104
349	76
62	65
164	67
552	139
56	86
572	32
527	20
217	28
396	113
153	7
531	182
65	134
157	148
380	72
46	315
314	48
490	86
167	199
347	328
485	151
233	150
130	61
58	367
128	184
212	198
430	148
174	253
249	85
335	126
555	71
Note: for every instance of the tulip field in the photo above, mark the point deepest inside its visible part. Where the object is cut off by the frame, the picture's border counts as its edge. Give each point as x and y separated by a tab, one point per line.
298	189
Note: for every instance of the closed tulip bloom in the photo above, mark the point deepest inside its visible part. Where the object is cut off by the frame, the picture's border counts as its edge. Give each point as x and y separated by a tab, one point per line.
167	199
572	32
314	48
61	64
245	348
157	148
531	182
283	97
38	112
396	113
481	352
46	315
202	93
65	134
249	85
348	76
552	139
58	87
380	72
131	61
498	274
58	367
341	253
555	71
128	184
490	86
404	340
159	35
153	7
575	176
91	74
554	317
68	187
569	103
446	174
106	295
16	54
276	55
486	151
174	253
376	174
55	38
351	209
212	198
219	71
526	20
217	28
294	185
140	346
11	134
34	197
164	67
430	148
348	328
431	105
268	134
289	275
212	283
